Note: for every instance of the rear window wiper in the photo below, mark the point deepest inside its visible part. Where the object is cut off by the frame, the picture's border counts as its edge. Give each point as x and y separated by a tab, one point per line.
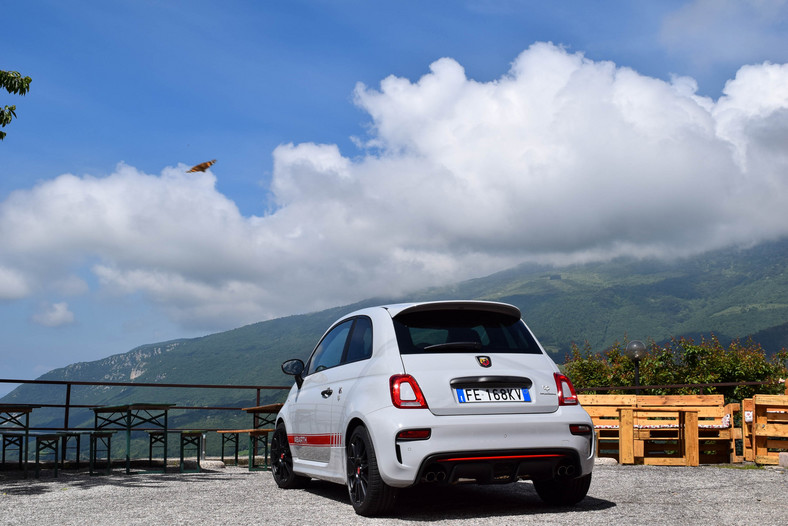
450	346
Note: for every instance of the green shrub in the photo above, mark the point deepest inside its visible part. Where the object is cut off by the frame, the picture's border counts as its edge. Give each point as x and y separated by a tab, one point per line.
682	361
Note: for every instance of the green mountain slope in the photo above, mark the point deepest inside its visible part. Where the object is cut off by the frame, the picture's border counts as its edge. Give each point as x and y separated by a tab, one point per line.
733	293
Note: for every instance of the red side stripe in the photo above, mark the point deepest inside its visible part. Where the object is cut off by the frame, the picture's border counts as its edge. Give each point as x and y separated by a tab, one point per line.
317	440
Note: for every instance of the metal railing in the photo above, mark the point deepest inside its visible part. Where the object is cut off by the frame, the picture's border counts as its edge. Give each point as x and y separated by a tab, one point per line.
258	389
67	406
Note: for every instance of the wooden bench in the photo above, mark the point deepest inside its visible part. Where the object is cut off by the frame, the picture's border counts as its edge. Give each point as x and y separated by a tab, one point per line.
47	444
157	439
65	438
638	446
716	432
191	440
765	428
100	440
659	427
256	436
14	442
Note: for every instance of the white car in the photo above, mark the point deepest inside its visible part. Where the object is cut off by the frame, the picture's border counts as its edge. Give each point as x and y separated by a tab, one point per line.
432	393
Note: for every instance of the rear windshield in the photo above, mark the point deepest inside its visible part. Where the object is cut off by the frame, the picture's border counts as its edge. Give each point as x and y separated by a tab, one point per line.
462	331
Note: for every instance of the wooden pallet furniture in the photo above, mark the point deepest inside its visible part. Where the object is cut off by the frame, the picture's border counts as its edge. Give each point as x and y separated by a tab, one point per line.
765	428
637	446
748	444
604	411
716	432
660	428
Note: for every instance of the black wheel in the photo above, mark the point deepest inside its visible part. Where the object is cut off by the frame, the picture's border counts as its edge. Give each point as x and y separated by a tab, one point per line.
563	492
369	495
282	462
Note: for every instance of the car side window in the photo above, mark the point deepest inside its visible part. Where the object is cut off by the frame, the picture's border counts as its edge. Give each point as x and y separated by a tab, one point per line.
329	351
360	347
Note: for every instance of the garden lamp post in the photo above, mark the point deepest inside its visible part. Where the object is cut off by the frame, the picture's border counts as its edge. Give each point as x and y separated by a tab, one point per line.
636	350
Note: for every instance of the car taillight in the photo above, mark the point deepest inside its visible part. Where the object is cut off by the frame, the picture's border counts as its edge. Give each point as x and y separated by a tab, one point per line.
580	429
566	391
414	434
405	392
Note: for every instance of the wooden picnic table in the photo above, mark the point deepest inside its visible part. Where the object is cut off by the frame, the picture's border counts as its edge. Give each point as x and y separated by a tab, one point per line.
16	417
263	422
264	415
129	416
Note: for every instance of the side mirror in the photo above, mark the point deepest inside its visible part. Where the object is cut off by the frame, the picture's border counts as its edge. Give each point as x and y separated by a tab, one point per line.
295	368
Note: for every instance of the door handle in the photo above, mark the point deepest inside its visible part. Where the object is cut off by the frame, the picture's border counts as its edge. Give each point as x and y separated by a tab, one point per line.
328	392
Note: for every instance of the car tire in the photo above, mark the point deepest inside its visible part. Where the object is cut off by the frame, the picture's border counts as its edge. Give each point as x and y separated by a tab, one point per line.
282	462
563	492
369	495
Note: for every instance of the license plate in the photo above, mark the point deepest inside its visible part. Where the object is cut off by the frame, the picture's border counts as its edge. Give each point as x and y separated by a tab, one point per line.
495	394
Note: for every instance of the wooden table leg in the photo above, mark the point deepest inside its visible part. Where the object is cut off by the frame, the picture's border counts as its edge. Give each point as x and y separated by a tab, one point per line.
626	436
688	420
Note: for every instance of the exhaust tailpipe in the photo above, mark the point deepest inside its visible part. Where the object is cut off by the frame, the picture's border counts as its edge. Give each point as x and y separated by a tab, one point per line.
434	475
566	470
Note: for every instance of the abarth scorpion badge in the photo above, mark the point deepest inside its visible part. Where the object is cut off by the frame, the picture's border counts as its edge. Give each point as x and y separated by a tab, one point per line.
484	361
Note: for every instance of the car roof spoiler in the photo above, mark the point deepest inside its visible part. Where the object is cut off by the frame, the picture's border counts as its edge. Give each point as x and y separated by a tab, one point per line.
489	306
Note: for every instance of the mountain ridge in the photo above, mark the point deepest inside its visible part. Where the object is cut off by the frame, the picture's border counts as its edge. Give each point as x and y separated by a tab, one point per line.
733	293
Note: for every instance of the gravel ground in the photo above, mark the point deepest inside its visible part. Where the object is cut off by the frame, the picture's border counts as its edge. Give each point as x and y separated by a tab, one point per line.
628	495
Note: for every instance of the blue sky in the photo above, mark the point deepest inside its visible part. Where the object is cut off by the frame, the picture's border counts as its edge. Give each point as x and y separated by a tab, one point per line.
363	148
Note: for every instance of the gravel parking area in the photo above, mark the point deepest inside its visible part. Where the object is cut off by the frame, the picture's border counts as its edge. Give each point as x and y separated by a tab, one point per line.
235	496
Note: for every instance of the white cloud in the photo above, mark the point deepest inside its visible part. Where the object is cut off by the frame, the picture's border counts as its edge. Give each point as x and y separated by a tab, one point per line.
70	286
13	285
53	315
562	159
727	31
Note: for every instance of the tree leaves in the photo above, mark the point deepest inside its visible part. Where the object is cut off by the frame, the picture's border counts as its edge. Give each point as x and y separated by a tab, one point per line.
681	362
14	83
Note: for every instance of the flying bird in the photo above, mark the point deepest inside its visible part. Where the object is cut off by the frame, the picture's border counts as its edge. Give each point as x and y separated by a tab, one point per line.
201	167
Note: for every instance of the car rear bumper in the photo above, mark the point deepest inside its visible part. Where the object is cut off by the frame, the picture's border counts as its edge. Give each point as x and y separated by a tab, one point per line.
484	448
499	467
